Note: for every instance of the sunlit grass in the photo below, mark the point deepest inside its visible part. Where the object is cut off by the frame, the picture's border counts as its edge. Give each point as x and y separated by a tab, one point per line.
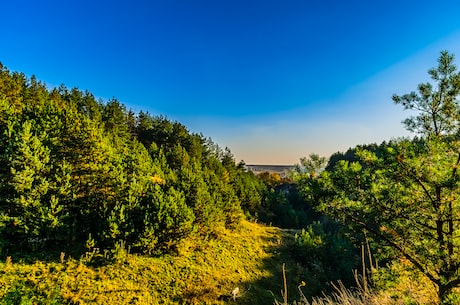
203	272
246	261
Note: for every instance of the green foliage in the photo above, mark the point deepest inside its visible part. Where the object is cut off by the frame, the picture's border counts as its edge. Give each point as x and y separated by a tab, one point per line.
167	220
405	193
249	190
438	111
406	199
35	189
326	256
286	201
399	280
311	166
24	292
351	154
73	169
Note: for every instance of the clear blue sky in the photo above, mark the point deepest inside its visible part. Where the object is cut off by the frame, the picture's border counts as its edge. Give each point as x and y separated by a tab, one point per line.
272	80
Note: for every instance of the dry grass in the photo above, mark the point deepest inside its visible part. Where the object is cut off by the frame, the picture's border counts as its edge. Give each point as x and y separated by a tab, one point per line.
341	295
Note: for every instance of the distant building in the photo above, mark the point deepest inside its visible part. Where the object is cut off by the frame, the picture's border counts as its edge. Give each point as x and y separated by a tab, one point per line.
281	170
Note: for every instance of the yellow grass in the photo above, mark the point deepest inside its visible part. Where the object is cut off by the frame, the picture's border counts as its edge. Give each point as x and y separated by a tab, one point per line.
204	272
243	266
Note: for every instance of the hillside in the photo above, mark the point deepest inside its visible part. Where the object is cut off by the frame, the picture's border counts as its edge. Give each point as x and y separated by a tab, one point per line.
101	205
249	258
78	173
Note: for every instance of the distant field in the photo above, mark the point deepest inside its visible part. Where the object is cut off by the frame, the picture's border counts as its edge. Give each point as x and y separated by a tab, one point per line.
282	170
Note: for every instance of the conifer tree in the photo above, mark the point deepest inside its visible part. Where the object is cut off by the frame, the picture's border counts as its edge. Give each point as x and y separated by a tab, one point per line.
407	196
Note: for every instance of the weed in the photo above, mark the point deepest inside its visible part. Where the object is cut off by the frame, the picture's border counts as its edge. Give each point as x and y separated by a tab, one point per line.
341	295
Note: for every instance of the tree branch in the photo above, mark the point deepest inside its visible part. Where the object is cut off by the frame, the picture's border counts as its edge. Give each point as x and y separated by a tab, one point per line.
394	245
420	183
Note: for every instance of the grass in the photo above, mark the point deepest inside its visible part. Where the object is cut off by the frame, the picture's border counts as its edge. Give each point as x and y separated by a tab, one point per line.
342	295
251	265
246	261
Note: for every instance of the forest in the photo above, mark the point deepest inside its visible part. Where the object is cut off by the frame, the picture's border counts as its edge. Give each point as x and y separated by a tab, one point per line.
102	205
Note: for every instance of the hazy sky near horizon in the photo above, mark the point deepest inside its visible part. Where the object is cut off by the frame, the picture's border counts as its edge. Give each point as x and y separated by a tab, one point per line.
272	80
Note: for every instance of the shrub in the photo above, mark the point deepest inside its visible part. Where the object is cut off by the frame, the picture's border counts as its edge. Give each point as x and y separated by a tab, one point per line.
325	257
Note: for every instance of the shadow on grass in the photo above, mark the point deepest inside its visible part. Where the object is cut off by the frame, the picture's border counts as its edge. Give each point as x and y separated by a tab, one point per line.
265	289
309	273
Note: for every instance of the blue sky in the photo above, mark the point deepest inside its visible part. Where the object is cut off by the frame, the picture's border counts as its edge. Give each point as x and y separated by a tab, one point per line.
272	80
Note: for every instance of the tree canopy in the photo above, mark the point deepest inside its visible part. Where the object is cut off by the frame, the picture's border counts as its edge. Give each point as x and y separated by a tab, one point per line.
405	193
77	173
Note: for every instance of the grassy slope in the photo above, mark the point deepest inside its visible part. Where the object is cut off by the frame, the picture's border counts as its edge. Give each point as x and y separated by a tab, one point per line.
205	272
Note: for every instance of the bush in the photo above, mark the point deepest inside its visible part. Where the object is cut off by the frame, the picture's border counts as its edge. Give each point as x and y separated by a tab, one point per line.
325	257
